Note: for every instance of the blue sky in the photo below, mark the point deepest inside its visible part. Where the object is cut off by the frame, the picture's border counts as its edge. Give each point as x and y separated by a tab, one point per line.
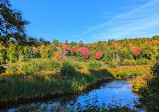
90	20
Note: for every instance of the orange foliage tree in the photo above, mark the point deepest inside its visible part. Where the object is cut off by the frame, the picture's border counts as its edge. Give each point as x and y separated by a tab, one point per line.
99	55
73	50
137	51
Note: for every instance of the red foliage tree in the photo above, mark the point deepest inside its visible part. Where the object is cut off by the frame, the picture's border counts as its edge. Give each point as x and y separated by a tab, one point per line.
65	49
65	46
73	50
153	42
137	51
113	43
130	44
58	54
84	51
104	44
99	55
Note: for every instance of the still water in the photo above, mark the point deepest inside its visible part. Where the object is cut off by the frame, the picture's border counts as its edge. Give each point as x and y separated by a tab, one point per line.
115	92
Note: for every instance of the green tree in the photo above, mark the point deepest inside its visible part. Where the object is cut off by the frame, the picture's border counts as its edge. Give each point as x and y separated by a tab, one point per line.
11	24
12	52
2	55
56	42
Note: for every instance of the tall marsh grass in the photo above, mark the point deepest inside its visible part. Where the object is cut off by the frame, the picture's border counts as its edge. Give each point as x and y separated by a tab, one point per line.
36	65
129	71
36	79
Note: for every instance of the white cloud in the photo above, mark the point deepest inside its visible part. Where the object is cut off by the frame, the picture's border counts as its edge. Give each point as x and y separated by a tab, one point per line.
139	22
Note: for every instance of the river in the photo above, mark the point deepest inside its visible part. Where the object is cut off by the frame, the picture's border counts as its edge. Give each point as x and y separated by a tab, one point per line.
116	92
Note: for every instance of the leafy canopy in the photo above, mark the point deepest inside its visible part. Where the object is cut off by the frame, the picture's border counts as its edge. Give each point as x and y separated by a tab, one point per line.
12	25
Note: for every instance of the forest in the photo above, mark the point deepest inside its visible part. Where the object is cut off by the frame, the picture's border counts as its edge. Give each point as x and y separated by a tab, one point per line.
34	68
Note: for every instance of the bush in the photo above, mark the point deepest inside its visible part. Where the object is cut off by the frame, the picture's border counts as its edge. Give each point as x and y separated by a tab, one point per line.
12	68
112	65
155	65
121	73
67	70
94	65
129	62
75	64
35	65
142	61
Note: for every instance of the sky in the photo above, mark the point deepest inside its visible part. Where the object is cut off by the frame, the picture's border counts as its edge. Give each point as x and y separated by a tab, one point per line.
89	20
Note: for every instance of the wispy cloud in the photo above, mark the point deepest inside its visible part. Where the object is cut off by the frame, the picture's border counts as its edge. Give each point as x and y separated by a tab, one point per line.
139	22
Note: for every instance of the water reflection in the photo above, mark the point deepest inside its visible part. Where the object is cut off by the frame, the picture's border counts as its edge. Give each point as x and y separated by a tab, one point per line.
115	92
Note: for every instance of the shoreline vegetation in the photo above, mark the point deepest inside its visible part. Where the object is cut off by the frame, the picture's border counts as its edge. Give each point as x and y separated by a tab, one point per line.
147	87
26	83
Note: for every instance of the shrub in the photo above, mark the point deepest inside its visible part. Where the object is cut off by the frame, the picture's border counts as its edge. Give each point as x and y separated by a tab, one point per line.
35	65
12	68
125	71
140	82
142	61
94	65
67	70
77	65
129	62
112	65
72	61
121	73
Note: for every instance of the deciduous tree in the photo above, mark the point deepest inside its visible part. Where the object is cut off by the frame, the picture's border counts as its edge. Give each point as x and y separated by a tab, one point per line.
137	51
12	25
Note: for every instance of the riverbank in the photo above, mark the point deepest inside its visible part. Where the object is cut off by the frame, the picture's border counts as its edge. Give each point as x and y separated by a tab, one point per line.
97	97
121	72
147	88
21	87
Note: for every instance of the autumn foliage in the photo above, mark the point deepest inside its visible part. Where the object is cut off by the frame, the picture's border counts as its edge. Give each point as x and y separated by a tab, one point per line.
65	46
84	51
58	54
73	50
99	55
137	51
65	49
153	42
